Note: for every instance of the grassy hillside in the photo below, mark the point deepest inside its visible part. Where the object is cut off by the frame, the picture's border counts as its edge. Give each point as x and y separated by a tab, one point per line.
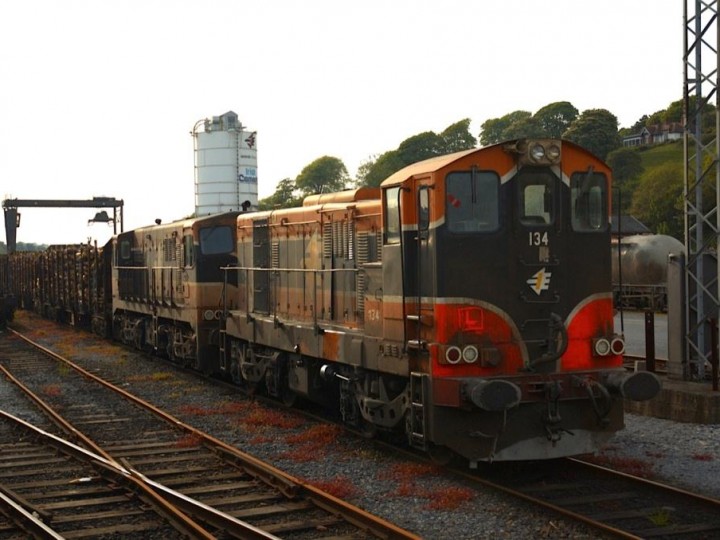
656	197
660	154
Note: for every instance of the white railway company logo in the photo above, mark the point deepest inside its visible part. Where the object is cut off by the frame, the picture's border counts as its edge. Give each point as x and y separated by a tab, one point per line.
540	281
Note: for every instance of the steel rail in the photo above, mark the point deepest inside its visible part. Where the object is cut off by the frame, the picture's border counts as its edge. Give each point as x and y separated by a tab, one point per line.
285	483
619	533
27	521
175	506
647	482
123	473
181	521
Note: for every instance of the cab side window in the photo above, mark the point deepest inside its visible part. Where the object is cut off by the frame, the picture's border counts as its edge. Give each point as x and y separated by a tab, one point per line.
472	201
392	215
188	251
589	200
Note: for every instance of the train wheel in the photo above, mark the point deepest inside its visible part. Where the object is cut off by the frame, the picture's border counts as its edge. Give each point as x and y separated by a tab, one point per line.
368	430
289	398
235	374
138	336
440	455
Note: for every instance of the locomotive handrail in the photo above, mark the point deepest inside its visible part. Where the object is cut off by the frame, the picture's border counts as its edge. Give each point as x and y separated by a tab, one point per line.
301	270
148	267
314	271
281	224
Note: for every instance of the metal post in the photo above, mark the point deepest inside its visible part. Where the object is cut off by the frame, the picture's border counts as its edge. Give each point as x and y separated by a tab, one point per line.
714	356
702	220
650	341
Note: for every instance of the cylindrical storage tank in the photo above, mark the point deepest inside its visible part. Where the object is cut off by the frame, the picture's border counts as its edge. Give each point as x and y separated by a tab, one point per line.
225	166
644	258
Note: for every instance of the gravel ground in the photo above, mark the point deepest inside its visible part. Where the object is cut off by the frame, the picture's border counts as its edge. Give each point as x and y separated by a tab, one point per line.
684	455
424	501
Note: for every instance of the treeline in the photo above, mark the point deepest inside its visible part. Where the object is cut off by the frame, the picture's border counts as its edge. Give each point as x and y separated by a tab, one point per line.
595	129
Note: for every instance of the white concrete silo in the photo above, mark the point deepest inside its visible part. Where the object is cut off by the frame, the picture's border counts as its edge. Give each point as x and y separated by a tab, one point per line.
225	165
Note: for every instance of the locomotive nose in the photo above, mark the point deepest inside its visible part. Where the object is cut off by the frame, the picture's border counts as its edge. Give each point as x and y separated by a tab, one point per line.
638	386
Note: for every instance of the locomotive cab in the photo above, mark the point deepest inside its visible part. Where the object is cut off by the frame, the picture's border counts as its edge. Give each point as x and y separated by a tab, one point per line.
505	300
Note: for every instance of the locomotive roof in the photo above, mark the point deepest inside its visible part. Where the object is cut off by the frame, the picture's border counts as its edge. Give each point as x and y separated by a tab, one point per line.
436	163
184	222
350	195
425	166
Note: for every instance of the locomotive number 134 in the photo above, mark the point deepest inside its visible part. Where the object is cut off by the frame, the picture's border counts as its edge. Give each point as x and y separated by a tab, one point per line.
538	238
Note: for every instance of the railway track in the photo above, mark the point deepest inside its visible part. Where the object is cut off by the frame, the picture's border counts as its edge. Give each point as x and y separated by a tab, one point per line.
51	488
619	504
220	490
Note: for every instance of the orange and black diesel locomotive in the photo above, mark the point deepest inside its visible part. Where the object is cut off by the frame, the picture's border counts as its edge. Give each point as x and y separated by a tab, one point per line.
466	303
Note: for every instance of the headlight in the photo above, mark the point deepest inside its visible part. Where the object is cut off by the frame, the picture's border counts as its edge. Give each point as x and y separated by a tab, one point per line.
602	347
453	355
553	153
617	346
537	152
470	354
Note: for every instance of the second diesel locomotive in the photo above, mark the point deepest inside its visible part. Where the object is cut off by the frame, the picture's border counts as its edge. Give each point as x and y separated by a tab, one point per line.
466	303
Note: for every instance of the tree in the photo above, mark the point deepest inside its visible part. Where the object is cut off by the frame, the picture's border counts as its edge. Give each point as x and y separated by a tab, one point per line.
523	127
657	117
457	137
419	147
596	130
555	118
627	168
364	169
658	199
494	128
324	175
285	196
381	168
641	123
454	138
626	164
674	112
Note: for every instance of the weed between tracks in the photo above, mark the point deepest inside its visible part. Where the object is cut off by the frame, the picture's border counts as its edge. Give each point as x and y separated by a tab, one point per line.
188	441
405	477
339	486
152	377
312	443
661	518
261	417
224	408
633	466
52	390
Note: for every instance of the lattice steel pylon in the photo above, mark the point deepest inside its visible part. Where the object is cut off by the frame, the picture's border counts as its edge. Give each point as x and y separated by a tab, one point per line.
702	181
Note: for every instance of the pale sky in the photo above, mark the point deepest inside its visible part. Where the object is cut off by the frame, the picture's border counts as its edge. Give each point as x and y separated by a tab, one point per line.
97	97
